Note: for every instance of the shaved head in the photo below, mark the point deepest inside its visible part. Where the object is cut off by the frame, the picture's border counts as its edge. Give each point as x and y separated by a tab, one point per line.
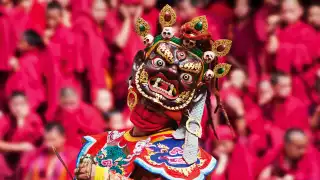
296	143
291	11
69	98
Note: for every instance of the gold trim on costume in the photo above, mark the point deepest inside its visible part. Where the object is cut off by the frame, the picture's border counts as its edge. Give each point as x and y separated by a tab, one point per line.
142	27
223	43
130	138
167	11
222	69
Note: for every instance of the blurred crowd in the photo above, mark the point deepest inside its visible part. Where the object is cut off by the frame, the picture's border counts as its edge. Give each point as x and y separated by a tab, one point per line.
64	67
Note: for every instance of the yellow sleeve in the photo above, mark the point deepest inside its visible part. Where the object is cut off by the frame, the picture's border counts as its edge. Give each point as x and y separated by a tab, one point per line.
101	173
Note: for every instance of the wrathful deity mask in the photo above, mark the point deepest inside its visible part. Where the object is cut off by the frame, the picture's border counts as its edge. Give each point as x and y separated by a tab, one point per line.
177	73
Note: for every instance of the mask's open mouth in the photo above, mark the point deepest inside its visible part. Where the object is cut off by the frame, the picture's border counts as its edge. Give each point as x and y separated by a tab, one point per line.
163	86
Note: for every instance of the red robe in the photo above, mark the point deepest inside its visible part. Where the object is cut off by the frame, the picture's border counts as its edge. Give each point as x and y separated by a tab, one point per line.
8	39
83	121
246	56
305	168
91	52
290	113
238	165
59	67
28	79
252	114
31	131
8	42
34	19
297	48
79	6
123	58
36	163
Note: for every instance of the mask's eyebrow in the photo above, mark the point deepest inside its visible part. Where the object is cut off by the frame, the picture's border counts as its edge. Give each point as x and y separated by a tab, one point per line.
165	52
194	67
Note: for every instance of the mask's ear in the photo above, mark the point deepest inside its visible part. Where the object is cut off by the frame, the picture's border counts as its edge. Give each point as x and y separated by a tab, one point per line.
138	60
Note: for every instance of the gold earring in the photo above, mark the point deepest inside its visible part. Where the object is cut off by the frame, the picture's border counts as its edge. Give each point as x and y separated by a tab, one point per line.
132	99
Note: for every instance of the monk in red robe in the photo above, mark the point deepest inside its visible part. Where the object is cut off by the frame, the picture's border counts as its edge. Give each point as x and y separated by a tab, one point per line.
292	47
230	165
285	110
121	37
91	56
44	164
292	160
77	117
313	15
261	16
241	29
66	12
29	14
313	19
26	75
8	42
21	130
104	103
60	41
239	99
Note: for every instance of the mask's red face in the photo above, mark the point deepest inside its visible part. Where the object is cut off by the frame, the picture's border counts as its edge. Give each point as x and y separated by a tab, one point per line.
169	76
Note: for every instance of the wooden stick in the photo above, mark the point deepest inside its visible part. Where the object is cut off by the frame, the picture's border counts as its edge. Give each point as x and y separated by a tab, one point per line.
61	160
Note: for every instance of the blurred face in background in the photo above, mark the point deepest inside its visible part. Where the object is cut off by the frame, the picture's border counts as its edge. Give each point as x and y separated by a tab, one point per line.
104	100
296	147
54	138
26	4
99	11
132	8
283	88
242	9
291	11
185	9
314	16
116	121
5	2
148	4
54	17
64	3
19	106
271	2
265	92
70	101
238	78
23	45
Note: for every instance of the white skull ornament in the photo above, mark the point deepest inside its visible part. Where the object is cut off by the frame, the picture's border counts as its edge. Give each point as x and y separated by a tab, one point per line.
208	56
167	33
208	75
148	40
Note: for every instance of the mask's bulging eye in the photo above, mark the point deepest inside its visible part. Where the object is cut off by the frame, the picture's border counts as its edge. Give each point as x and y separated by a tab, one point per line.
157	62
186	78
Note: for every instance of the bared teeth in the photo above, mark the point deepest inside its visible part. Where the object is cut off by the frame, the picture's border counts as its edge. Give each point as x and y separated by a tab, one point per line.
157	82
171	90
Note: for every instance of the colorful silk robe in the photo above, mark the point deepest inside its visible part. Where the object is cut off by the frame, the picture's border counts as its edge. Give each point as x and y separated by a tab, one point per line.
159	154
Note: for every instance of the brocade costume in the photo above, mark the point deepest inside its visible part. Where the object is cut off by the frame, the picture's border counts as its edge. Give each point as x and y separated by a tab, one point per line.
171	81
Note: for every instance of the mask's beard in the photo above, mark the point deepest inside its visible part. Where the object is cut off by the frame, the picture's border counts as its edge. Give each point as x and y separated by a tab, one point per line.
148	120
